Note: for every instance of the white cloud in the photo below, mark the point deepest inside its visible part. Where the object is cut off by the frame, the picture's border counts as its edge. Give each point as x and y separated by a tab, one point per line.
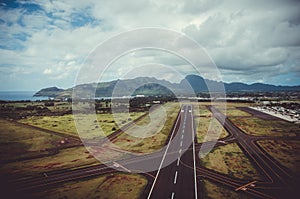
242	37
47	71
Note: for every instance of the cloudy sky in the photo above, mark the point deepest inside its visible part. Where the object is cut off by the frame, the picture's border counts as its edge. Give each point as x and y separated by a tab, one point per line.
44	43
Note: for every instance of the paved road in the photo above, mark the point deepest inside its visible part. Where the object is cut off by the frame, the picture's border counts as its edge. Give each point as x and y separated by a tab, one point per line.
277	175
177	180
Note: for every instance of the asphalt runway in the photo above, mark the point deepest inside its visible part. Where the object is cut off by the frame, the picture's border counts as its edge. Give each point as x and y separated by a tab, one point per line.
177	180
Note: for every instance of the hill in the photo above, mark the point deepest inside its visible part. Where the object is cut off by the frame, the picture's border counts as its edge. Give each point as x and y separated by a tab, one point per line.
150	86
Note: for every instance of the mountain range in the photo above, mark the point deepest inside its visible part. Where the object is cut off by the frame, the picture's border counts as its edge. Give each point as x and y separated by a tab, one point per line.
150	86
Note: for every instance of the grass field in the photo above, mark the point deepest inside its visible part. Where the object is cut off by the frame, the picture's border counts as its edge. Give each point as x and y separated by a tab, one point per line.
21	104
56	107
118	186
287	152
65	124
204	133
19	141
156	141
233	112
231	109
67	158
216	191
260	127
203	111
230	159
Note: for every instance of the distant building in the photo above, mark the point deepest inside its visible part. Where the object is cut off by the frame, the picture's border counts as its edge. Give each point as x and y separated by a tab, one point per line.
265	102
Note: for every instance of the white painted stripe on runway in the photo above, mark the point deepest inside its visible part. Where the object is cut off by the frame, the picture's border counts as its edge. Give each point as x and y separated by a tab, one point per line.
178	161
175	177
172	196
194	158
182	136
181	143
180	151
162	160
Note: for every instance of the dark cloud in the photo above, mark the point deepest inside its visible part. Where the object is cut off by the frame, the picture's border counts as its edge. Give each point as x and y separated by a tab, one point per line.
252	37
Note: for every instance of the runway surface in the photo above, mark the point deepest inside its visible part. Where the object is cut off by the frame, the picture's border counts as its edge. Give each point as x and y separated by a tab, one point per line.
177	180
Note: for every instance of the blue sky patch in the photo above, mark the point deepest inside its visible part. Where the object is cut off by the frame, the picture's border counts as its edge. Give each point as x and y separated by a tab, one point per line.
9	4
81	19
21	36
26	6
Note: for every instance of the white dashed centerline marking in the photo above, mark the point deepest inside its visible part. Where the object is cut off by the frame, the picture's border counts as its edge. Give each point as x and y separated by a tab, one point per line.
161	163
180	151
175	177
182	136
181	143
178	161
172	196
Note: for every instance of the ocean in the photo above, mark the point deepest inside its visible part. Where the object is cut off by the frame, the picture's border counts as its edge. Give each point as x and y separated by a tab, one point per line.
19	96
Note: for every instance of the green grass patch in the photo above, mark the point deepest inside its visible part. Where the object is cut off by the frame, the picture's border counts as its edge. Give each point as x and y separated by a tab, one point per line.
260	127
231	109
65	124
230	159
20	141
233	112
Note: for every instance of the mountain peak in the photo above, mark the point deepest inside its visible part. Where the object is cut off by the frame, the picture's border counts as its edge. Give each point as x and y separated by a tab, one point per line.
144	85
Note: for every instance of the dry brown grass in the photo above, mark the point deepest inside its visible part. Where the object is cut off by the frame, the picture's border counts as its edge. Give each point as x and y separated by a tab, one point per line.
260	127
118	185
209	129
230	159
153	143
67	158
287	152
215	191
19	141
